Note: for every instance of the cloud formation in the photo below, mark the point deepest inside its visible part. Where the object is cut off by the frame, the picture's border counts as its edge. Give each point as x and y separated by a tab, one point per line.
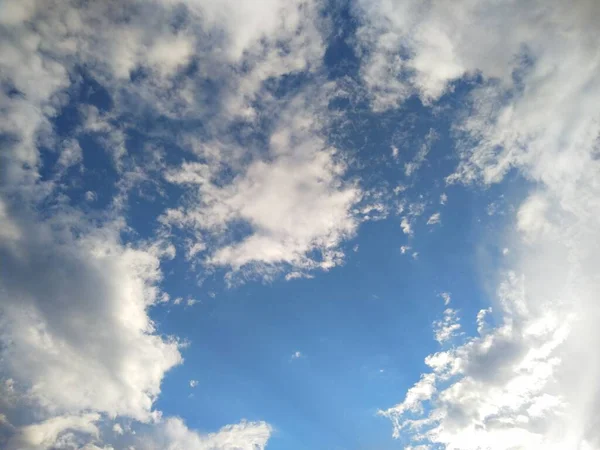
78	345
265	192
513	385
293	202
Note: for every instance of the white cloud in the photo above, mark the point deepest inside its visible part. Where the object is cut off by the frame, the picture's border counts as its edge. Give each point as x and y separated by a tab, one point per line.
434	219
446	328
299	156
294	204
75	330
57	432
298	275
446	296
91	196
78	333
515	385
406	226
496	380
174	434
118	429
422	391
70	154
481	319
193	383
443	199
297	354
419	159
404	249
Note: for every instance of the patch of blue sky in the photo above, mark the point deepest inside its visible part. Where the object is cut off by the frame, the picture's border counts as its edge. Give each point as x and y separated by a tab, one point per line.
362	329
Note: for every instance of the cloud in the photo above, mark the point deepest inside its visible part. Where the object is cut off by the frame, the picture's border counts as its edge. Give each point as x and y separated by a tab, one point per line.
52	433
77	333
238	49
174	434
434	219
499	385
295	205
514	384
419	159
422	391
77	339
406	227
118	429
446	297
448	327
297	355
191	301
193	383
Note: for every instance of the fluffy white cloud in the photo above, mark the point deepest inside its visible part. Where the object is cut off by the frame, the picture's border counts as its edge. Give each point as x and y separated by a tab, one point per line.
76	336
293	201
173	434
446	328
406	226
57	432
74	318
528	382
118	429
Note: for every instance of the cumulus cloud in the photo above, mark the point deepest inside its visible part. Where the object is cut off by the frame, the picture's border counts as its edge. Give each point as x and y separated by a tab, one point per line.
419	159
446	296
294	204
118	429
77	338
406	226
52	433
513	385
446	328
74	313
174	434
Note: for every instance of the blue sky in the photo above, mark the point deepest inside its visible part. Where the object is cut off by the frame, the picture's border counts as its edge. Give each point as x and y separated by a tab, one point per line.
366	224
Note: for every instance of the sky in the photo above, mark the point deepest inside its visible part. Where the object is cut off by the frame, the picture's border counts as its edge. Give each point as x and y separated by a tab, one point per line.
299	224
